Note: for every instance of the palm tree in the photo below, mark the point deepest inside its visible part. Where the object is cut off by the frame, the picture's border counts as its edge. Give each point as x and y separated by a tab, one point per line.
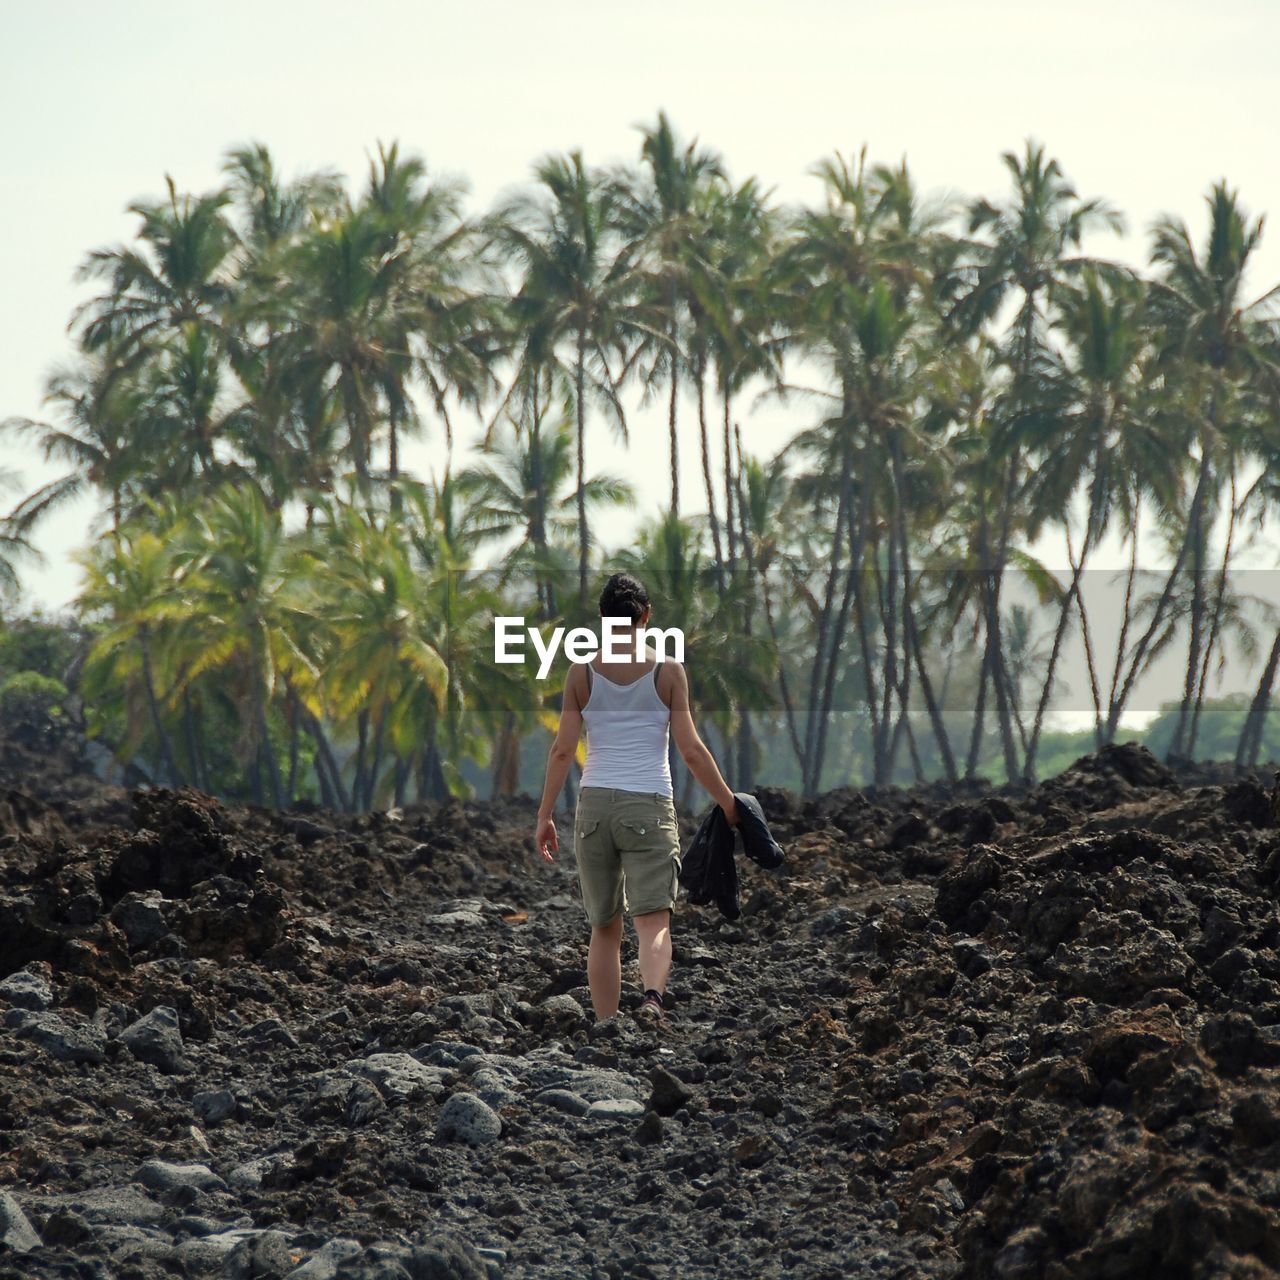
663	215
1097	434
129	584
1029	247
180	272
15	544
576	292
100	429
1224	346
513	489
235	559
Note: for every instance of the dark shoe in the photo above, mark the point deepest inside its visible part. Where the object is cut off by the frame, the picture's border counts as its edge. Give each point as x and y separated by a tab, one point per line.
650	1011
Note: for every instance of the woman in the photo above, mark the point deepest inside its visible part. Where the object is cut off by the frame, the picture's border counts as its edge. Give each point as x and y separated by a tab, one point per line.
626	840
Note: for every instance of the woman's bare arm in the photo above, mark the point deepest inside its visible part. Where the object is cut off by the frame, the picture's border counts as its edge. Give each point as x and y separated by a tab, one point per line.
695	753
563	749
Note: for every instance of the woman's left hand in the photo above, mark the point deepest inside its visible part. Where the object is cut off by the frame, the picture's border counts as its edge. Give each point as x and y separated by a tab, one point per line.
544	836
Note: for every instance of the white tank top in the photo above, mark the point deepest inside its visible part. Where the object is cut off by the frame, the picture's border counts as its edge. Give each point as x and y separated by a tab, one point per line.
627	730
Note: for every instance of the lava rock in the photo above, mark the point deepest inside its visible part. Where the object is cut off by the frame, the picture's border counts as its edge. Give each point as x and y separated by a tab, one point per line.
162	1175
26	990
156	1038
468	1119
669	1093
16	1231
81	1042
213	1106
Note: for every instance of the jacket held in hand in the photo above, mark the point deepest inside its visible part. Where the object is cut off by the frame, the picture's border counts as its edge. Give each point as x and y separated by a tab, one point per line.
708	871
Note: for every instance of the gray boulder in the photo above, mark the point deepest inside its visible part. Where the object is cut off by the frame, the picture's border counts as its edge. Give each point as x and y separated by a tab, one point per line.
16	1232
213	1106
324	1263
161	1175
25	990
140	917
615	1109
399	1076
157	1039
469	1119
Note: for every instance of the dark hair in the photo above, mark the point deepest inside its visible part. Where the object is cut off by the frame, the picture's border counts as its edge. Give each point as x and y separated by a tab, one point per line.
624	596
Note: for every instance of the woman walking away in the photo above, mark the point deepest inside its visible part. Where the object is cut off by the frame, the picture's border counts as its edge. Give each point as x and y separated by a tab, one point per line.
626	840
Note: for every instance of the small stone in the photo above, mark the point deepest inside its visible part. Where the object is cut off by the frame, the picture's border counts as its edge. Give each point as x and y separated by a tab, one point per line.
140	917
400	1076
249	1175
564	1008
446	1257
649	1131
564	1100
25	990
363	1103
156	1038
324	1263
669	1092
615	1109
16	1231
213	1106
264	1257
161	1175
469	1119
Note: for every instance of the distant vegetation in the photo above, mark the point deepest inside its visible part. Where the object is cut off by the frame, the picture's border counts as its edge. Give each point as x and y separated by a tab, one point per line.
273	608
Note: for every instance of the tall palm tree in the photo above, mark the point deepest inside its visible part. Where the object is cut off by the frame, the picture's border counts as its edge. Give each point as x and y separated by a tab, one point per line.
1026	248
1224	345
577	290
663	214
1096	434
179	271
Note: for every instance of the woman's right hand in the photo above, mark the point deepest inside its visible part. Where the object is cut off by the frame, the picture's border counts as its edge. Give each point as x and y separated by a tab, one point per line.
730	810
546	835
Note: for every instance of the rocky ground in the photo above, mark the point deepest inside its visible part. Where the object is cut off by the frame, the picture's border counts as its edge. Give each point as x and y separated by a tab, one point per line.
969	1032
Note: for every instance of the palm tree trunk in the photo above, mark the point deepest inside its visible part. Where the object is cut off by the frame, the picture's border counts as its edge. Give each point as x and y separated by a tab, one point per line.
291	788
371	782
1137	659
1102	730
269	755
728	484
1215	618
823	675
717	548
1250	744
1064	612
153	703
580	390
358	784
673	439
346	800
189	731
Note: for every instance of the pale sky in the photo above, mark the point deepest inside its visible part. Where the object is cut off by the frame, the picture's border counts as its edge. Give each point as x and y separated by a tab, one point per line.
1145	104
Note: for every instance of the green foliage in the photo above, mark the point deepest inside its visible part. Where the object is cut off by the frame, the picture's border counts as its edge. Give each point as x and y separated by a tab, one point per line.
39	644
273	608
1221	720
31	706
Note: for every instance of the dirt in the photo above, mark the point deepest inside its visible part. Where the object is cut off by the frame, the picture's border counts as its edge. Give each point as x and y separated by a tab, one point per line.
971	1031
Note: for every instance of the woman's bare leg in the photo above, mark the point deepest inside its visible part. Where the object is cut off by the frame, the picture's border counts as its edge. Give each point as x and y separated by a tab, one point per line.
653	932
604	967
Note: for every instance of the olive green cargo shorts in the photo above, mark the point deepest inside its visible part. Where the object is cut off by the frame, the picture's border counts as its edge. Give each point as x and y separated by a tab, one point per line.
627	846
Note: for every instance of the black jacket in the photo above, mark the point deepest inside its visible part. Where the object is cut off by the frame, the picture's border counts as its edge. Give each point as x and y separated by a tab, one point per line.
708	871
